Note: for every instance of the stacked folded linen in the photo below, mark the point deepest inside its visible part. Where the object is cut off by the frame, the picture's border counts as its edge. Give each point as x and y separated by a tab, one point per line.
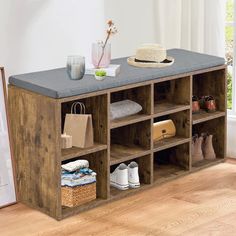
75	174
75	165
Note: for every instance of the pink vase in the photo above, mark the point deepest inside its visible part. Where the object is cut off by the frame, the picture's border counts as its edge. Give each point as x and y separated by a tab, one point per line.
98	52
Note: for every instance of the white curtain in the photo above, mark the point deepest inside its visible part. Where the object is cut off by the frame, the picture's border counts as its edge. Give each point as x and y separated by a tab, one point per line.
196	25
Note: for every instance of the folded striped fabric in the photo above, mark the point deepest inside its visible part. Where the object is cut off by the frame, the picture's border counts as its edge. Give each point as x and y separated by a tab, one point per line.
78	178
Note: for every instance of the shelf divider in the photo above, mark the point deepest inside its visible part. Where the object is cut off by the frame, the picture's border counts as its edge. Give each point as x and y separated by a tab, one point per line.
205	116
129	120
121	153
69	211
117	194
206	163
169	142
168	172
74	152
166	108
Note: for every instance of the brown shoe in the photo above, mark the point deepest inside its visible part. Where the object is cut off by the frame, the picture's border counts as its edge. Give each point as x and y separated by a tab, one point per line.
208	103
197	154
207	147
195	105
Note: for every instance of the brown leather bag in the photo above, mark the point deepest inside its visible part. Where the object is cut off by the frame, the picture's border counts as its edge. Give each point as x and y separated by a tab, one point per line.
163	129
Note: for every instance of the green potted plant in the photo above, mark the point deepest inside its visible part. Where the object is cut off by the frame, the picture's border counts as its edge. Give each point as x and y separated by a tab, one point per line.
100	74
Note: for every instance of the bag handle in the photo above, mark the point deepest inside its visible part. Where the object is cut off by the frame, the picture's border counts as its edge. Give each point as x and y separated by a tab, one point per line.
74	107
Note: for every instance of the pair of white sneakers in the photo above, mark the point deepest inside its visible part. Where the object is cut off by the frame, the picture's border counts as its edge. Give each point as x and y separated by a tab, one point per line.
125	177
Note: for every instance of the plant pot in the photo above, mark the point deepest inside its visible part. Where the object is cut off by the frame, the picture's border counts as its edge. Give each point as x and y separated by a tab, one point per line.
99	77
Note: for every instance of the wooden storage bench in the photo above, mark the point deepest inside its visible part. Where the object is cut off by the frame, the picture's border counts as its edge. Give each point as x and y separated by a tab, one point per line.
37	121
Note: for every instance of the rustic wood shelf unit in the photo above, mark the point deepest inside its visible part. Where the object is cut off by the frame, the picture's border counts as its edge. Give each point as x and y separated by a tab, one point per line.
37	122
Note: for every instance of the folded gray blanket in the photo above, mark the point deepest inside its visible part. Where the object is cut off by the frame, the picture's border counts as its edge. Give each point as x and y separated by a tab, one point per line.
124	108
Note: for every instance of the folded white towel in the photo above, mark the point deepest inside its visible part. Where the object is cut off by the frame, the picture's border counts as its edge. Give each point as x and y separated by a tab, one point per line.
75	165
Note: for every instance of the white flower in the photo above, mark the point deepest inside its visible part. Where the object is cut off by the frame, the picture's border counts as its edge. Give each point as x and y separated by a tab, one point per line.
113	29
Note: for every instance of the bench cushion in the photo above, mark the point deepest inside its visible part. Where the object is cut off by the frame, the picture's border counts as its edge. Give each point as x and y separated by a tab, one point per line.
56	83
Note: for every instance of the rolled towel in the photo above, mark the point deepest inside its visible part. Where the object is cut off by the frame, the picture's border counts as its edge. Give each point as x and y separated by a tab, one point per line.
75	165
124	108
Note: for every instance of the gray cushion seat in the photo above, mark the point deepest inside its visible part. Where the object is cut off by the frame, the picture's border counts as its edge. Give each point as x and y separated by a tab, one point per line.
56	83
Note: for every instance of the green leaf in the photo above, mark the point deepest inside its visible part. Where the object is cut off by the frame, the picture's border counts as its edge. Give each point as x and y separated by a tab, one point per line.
100	73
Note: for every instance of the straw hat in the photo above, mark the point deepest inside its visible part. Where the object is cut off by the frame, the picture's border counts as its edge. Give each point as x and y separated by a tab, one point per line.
151	55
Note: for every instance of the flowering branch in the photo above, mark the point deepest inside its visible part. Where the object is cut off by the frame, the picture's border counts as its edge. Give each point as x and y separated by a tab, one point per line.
110	31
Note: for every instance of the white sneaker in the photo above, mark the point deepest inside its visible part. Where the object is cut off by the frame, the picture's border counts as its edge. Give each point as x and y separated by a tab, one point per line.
119	177
133	176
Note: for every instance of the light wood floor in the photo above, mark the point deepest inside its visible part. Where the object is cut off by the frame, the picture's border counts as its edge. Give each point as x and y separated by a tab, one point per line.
202	203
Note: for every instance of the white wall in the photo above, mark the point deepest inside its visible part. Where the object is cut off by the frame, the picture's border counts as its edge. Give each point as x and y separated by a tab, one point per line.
38	35
135	22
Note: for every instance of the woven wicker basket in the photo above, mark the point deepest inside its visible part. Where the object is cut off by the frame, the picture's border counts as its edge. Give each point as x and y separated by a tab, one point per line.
79	195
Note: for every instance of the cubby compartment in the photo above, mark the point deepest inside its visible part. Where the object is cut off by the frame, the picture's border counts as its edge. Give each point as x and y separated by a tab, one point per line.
172	96
210	83
131	141
98	162
171	163
216	127
97	106
140	95
183	130
145	166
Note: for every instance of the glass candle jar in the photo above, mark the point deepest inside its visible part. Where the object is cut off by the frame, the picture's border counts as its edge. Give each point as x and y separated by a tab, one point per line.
101	57
76	67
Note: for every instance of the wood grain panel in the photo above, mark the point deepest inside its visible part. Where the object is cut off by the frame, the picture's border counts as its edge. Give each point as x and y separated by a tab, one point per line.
176	91
169	142
141	95
129	120
35	130
121	153
215	127
182	123
166	108
211	83
137	134
97	107
205	116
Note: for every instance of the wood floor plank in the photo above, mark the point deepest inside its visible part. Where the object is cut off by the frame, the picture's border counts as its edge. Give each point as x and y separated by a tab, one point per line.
214	227
202	203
